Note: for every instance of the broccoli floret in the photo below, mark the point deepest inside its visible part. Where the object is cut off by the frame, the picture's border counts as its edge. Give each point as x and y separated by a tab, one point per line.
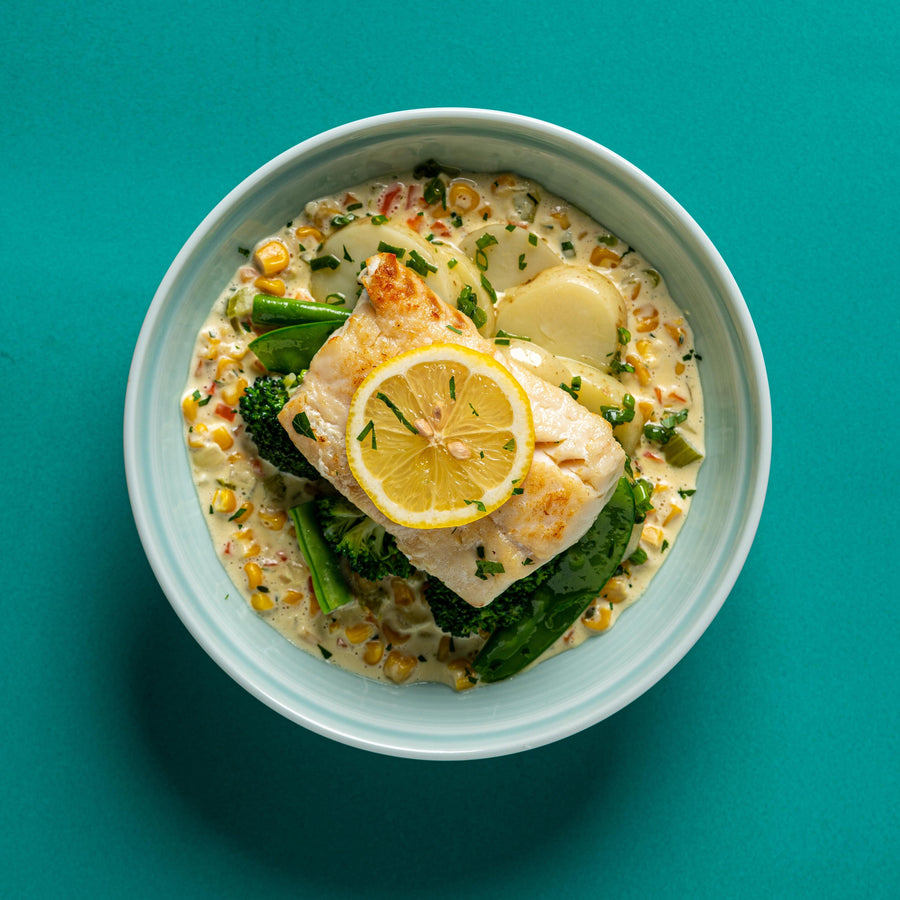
370	550
259	407
454	616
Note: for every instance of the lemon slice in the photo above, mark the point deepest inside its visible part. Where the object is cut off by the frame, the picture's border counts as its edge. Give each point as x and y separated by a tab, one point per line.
439	436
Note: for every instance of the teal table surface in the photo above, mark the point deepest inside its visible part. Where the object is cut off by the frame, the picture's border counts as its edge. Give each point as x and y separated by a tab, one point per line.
766	764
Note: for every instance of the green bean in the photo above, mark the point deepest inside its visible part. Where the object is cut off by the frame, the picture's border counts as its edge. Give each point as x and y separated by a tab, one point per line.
268	310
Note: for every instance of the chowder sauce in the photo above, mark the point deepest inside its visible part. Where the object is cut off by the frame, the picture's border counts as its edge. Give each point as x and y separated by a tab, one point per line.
389	633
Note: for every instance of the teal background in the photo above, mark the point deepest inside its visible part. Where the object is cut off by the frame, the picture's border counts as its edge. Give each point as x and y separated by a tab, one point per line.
766	764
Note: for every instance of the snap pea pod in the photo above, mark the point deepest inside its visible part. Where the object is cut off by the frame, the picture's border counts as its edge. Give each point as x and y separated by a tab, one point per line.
276	311
290	349
328	581
556	605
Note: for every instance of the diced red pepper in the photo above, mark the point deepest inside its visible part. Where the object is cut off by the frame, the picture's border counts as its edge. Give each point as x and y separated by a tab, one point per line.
224	411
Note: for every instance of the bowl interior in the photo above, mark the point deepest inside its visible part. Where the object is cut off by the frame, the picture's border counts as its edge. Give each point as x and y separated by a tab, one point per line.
564	694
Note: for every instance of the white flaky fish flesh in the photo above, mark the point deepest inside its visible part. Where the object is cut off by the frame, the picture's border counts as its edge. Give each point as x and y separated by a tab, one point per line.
577	461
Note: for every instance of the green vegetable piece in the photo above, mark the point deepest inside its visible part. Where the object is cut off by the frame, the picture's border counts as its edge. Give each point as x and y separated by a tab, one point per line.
582	572
679	452
290	349
278	311
324	565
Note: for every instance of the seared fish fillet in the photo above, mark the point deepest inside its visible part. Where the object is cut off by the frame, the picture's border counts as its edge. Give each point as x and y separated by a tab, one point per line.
577	462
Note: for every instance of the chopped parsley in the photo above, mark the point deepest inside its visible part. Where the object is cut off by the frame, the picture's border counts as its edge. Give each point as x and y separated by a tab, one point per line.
300	424
485	567
467	303
396	411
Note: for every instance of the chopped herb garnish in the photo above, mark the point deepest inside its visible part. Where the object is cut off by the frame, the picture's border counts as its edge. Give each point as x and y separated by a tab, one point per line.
518	490
394	409
329	261
510	445
452	387
662	432
243	251
453	263
623	334
574	388
385	247
568	248
370	427
653	275
347	255
474	411
467	303
684	493
477	504
435	191
300	424
486	240
532	239
643	491
510	227
419	264
353	206
454	329
489	288
607	239
616	366
485	567
340	221
379	219
522	263
616	416
326	653
665	546
504	337
238	514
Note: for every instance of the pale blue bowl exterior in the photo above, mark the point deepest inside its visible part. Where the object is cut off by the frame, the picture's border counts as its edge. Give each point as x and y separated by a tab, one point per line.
564	694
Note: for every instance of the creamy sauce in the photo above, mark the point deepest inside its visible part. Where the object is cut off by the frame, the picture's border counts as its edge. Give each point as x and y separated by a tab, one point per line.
389	633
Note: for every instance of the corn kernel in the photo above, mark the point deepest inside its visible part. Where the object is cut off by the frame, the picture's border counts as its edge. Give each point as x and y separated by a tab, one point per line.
652	535
246	543
273	286
196	438
599	619
189	406
224	364
674	513
644	348
640	370
243	513
359	632
291	598
309	235
273	519
443	653
212	348
676	331
604	257
679	368
222	436
233	392
254	575
272	257
373	653
399	666
461	669
613	591
636	291
394	636
261	602
647	318
224	501
403	593
503	183
646	408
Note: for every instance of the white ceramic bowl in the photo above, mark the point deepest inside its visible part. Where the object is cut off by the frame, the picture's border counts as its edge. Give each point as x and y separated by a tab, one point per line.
562	695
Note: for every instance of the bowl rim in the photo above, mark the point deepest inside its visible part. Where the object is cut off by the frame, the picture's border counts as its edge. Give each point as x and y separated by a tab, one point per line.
760	397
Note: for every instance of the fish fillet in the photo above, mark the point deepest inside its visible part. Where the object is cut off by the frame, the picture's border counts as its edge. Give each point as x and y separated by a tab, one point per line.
577	461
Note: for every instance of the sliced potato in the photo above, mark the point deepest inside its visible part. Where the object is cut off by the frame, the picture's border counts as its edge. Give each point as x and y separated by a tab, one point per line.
509	258
570	310
599	389
347	249
537	360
